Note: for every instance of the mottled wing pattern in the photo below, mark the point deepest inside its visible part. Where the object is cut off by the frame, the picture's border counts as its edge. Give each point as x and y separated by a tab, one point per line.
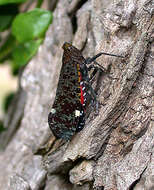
67	114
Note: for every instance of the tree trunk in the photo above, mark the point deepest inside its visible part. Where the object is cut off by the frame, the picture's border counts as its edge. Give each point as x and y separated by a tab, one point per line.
114	150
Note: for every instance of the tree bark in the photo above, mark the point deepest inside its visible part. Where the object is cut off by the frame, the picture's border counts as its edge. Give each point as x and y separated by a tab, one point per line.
114	151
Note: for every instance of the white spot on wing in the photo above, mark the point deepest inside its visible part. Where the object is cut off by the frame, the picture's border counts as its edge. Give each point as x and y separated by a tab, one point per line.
77	113
53	111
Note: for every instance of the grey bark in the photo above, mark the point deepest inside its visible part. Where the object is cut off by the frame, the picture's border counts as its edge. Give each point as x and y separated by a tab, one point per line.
114	151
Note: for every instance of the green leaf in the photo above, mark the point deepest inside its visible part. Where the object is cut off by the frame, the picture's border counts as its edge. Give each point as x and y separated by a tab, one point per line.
23	53
31	25
5	21
3	2
7	13
39	3
2	127
7	48
7	101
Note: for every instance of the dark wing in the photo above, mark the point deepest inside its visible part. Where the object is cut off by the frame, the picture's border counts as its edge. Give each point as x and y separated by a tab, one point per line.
65	114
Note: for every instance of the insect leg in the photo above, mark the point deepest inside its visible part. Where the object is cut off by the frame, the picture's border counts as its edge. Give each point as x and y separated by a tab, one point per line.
93	99
90	60
91	96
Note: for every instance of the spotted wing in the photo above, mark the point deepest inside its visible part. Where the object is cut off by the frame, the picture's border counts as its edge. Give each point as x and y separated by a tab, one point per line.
67	112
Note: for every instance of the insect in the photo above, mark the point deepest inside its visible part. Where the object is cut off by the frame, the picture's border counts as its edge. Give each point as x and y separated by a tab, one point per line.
74	92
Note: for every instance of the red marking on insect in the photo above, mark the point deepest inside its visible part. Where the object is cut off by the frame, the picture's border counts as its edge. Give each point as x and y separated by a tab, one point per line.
81	87
82	97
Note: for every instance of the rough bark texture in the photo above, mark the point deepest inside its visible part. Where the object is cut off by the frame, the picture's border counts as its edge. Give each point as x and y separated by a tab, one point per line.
115	149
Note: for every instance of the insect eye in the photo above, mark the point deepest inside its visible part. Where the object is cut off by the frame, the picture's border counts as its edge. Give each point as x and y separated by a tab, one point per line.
67	46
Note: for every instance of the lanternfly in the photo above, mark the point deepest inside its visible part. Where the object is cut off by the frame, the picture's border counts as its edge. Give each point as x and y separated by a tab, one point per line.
74	92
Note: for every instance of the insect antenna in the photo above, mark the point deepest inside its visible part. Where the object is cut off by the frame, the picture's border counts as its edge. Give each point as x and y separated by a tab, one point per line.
90	60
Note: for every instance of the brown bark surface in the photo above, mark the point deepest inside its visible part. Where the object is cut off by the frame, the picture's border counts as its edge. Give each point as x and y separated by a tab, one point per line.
114	151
